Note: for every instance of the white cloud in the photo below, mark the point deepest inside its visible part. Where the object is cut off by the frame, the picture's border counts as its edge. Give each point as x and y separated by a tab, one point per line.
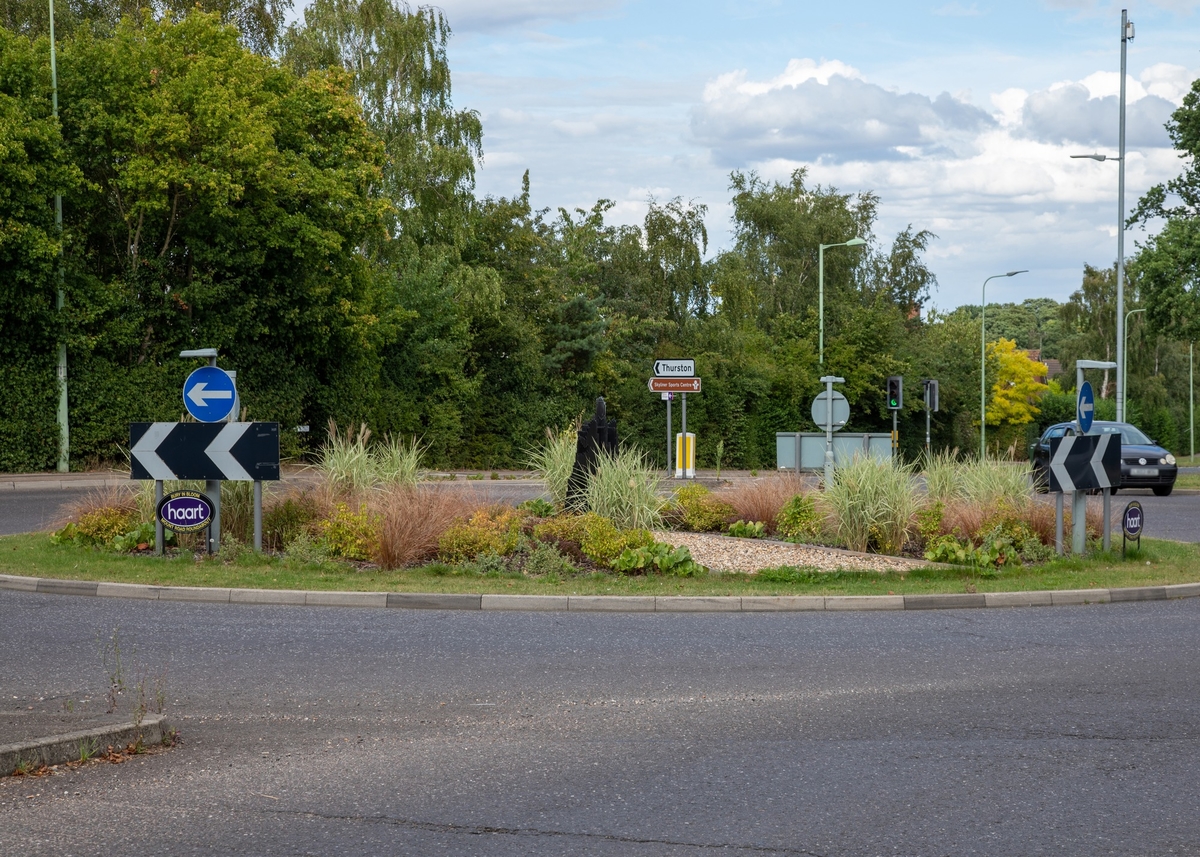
825	111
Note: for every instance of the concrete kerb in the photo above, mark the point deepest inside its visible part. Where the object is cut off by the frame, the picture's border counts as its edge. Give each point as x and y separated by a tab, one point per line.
600	603
68	747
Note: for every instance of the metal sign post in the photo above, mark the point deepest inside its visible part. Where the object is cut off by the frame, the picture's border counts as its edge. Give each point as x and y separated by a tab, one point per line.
670	436
830	400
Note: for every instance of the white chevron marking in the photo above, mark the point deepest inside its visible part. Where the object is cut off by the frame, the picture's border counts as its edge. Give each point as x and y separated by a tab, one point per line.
145	451
219	452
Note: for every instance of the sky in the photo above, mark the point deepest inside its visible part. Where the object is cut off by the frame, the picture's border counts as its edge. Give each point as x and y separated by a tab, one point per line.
960	115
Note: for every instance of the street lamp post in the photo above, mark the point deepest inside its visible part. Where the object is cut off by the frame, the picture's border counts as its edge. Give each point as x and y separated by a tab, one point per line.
983	361
821	248
1126	37
64	430
1125	363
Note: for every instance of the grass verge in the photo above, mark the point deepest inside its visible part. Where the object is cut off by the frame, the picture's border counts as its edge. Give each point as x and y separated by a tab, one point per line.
32	555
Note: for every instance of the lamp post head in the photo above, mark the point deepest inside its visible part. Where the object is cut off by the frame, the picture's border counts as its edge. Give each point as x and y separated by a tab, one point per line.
855	242
1098	157
1014	273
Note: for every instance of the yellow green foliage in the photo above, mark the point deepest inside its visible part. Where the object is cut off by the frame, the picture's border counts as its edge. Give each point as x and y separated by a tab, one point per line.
1015	389
598	537
495	530
350	534
99	527
702	511
799	520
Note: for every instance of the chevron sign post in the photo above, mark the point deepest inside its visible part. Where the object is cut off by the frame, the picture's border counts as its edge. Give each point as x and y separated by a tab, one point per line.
1082	463
1085	462
239	452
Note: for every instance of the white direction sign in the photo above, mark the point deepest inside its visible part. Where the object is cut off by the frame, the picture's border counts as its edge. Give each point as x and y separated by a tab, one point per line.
683	368
820	410
209	394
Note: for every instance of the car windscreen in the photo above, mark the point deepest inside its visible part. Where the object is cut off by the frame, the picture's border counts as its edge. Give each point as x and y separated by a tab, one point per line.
1129	434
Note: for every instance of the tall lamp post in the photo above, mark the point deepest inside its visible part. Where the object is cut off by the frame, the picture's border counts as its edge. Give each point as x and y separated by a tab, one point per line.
1125	362
983	360
1126	37
64	430
821	248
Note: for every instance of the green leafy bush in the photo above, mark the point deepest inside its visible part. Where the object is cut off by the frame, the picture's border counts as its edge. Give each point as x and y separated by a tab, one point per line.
284	521
306	550
142	534
538	507
748	530
493	530
799	520
701	510
350	534
98	527
660	558
929	522
543	559
593	536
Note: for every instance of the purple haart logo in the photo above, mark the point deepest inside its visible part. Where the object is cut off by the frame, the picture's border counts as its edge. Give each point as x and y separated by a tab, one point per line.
185	511
1132	520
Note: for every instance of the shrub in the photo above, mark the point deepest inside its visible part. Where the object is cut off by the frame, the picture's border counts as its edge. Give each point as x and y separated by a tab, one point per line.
593	536
543	559
744	530
307	550
98	527
554	461
799	520
762	499
624	489
872	504
701	510
537	507
350	534
412	520
661	558
285	518
496	529
941	473
995	481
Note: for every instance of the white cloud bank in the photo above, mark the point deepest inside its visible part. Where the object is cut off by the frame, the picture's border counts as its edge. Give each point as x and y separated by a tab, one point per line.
997	185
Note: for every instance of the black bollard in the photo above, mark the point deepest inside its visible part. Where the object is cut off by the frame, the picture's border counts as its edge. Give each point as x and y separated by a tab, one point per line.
598	436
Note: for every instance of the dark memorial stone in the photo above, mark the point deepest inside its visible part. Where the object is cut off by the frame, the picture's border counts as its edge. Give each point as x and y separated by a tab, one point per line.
597	437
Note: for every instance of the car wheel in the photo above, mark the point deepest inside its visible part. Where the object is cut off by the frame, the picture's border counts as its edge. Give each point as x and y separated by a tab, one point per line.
1163	490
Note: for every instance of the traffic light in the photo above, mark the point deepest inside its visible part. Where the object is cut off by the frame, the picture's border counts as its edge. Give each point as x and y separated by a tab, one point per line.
931	394
895	392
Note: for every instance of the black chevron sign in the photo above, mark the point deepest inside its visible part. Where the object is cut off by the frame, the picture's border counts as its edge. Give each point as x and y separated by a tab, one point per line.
239	452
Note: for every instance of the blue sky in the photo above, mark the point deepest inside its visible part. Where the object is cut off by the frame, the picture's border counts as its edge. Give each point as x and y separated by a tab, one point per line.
959	115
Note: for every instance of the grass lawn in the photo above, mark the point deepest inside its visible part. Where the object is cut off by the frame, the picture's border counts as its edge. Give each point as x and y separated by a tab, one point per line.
1187	480
32	555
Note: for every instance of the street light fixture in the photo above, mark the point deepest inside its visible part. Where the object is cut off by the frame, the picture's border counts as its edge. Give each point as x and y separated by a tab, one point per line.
1126	37
821	248
983	361
1125	350
64	429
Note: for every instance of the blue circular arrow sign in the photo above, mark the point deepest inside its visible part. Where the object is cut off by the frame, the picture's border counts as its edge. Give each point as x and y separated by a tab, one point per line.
1085	407
209	394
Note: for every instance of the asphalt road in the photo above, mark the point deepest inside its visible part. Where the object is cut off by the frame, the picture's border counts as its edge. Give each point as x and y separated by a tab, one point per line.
1072	730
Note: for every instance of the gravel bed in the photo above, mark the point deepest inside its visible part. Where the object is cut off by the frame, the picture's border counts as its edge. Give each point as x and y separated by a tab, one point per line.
725	553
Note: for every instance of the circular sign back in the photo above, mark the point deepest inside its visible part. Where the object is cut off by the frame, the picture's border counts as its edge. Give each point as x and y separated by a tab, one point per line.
1133	520
820	409
185	511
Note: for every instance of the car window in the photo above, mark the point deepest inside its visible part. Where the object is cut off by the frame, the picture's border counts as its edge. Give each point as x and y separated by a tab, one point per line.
1129	434
1054	431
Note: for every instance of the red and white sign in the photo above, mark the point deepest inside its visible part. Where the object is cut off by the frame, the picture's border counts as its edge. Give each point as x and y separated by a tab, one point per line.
674	385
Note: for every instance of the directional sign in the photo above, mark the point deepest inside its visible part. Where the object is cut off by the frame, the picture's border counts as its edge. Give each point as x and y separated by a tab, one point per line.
674	385
209	394
1085	407
674	368
240	452
1085	462
820	409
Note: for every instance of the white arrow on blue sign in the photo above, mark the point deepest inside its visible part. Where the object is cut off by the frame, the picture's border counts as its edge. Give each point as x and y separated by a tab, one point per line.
209	394
1085	407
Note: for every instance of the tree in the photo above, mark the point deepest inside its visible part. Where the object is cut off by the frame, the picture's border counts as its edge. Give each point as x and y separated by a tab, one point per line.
1016	388
1089	320
401	76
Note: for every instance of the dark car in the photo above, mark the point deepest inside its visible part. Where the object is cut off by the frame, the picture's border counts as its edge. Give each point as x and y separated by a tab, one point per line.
1144	464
